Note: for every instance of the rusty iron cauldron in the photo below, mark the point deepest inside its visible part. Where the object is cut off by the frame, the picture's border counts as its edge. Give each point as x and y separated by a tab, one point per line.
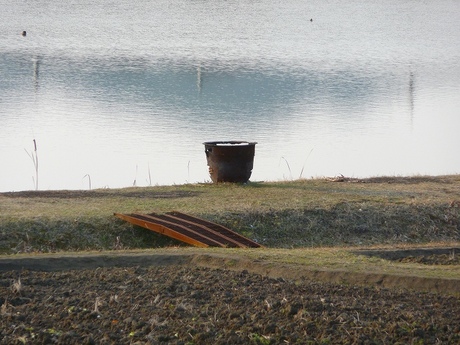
230	161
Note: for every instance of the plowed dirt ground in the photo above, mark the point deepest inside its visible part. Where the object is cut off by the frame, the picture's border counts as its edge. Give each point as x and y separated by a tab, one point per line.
177	303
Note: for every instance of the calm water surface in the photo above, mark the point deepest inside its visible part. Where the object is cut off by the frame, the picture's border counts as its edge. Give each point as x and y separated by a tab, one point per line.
124	93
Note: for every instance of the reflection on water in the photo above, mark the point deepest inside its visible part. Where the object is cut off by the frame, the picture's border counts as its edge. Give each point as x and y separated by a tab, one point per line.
114	103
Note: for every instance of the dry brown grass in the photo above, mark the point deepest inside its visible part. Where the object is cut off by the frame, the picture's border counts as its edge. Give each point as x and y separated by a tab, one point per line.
292	214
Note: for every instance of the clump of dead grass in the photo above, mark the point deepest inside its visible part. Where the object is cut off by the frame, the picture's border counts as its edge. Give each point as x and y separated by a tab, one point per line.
16	286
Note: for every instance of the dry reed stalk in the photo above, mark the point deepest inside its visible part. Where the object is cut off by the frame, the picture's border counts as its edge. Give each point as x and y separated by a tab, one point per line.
34	157
289	167
303	166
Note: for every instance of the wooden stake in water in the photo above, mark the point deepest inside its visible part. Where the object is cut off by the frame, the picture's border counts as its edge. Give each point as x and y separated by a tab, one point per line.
89	181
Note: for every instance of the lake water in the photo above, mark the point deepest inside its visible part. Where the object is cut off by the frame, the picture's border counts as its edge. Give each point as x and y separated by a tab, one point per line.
122	93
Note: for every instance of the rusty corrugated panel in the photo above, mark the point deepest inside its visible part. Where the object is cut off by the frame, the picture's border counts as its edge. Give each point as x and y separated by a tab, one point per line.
192	230
225	233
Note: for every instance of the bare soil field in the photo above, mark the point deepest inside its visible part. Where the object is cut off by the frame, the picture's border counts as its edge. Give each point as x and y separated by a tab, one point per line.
183	299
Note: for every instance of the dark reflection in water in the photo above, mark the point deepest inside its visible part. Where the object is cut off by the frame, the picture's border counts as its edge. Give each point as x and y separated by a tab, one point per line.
195	88
36	67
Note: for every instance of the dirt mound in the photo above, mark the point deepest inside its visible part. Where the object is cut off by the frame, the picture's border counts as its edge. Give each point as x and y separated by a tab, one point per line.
440	256
442	259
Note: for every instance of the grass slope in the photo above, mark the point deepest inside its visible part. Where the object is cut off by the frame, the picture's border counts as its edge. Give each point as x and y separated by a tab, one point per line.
288	214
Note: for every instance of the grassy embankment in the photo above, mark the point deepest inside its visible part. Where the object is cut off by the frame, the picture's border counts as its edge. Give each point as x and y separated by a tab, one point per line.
291	214
312	223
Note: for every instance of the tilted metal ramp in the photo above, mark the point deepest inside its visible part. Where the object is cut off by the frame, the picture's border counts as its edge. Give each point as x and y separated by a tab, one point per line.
195	231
